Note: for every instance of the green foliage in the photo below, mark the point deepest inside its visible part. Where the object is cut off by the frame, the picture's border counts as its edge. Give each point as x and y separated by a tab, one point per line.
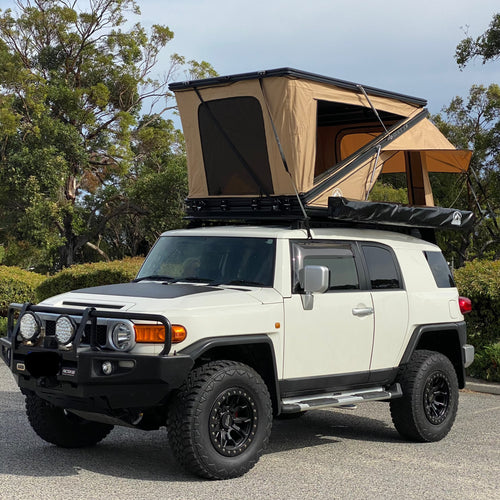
88	275
386	192
479	280
487	363
473	123
73	82
17	285
485	46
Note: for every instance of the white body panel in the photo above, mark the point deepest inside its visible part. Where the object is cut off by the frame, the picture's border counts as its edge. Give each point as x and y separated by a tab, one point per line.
327	340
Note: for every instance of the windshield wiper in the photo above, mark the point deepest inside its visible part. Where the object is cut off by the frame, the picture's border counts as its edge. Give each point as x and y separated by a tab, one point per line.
238	282
155	277
195	279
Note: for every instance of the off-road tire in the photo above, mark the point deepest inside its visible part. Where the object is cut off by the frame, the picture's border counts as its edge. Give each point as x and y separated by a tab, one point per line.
219	422
427	410
56	426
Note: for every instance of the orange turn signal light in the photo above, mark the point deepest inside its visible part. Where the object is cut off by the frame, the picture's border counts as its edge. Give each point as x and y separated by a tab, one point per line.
156	333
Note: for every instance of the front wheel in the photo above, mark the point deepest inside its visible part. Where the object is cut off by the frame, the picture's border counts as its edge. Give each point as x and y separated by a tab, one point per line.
62	428
220	421
427	410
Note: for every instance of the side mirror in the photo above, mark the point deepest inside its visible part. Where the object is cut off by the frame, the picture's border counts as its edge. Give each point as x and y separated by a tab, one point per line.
314	279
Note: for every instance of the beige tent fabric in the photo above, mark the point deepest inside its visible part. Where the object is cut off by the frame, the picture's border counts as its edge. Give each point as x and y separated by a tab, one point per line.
293	104
311	151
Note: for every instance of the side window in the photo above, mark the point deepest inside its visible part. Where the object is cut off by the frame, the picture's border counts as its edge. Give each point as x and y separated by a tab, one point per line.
382	269
440	270
337	257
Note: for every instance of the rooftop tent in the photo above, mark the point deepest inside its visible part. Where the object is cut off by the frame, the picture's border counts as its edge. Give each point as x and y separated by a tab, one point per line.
274	133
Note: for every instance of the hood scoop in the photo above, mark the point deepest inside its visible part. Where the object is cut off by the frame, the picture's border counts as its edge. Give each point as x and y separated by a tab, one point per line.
88	304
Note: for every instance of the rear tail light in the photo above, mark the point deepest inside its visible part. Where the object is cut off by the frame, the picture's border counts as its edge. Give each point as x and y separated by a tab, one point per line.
465	305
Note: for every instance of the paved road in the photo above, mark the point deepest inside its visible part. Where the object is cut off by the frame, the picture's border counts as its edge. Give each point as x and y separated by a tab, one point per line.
323	455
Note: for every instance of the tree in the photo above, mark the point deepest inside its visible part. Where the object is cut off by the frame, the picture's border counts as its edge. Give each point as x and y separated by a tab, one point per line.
486	46
474	123
156	185
73	83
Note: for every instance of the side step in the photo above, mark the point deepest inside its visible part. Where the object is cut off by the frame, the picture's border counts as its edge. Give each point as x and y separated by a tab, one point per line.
331	400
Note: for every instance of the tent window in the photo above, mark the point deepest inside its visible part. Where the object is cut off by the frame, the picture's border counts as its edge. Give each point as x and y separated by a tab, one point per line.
234	147
344	128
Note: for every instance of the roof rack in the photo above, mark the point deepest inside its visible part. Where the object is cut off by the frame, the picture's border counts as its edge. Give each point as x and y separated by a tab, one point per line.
339	211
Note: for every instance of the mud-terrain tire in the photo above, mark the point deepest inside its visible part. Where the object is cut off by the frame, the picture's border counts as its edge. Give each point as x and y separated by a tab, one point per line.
219	422
427	410
57	426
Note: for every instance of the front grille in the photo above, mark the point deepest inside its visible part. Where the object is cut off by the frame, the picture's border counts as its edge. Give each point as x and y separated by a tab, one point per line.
50	331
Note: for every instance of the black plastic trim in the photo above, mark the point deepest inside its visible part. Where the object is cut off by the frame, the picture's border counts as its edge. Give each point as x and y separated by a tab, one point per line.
326	383
199	348
294	73
459	328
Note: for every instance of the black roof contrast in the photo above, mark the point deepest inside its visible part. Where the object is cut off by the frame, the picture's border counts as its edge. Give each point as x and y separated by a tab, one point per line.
290	72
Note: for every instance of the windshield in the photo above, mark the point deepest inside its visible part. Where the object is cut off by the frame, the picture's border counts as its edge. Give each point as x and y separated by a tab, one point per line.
211	259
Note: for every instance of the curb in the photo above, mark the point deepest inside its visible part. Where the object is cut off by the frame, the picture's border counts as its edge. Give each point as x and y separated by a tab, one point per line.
474	384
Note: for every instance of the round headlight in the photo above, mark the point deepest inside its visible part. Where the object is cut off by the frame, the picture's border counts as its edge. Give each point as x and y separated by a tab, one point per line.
29	326
65	330
123	336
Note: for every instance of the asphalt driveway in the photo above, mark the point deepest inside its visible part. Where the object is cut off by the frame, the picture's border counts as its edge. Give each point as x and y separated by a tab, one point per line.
323	455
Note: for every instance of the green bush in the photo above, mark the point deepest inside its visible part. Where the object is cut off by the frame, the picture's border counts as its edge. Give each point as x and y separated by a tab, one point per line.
17	285
480	281
487	363
88	275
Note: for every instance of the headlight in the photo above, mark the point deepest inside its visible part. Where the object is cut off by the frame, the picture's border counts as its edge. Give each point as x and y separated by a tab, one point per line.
30	327
65	330
123	336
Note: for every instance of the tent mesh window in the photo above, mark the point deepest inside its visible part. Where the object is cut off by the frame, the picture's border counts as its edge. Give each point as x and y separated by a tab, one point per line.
234	147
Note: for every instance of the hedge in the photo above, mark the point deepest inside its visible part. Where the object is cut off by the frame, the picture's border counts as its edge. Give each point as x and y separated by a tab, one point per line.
17	285
479	280
88	275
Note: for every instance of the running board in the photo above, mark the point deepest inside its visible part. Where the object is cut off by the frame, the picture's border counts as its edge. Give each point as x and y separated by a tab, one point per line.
335	399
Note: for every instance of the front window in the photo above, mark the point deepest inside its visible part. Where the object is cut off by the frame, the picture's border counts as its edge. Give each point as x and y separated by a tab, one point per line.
212	260
337	257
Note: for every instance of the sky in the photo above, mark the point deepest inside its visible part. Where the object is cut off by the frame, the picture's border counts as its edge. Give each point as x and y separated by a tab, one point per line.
398	45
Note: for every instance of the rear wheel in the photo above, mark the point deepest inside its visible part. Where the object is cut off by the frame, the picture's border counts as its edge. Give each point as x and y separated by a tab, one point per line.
427	410
219	423
62	428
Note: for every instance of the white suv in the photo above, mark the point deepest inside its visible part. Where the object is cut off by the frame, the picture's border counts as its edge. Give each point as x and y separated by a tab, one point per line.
226	327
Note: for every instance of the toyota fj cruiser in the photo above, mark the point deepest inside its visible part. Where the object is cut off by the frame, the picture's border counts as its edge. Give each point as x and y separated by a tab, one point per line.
225	327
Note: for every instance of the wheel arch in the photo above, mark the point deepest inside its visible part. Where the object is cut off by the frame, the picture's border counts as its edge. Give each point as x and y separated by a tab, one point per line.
446	338
256	351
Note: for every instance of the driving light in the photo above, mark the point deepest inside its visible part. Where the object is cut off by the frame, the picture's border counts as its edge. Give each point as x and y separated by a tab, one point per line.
107	367
65	330
123	336
29	327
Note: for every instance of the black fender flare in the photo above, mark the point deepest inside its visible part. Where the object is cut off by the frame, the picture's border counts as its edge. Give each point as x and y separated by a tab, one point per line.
203	346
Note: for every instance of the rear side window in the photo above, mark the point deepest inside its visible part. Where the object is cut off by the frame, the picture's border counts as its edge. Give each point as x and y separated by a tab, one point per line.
382	268
440	270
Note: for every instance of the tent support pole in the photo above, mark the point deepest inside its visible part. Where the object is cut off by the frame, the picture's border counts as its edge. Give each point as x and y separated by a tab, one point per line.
360	87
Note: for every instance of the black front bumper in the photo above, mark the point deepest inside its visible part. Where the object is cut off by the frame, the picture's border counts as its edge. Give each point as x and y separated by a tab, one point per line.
74	378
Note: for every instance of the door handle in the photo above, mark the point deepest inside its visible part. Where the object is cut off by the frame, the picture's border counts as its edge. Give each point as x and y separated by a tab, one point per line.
362	311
